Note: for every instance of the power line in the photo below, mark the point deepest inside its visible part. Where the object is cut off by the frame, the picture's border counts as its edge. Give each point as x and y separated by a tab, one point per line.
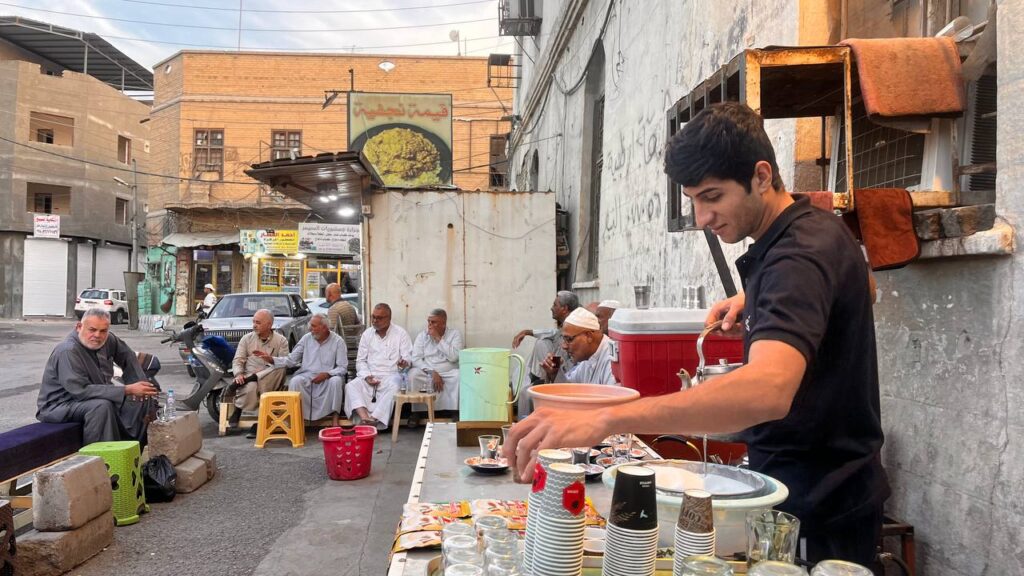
234	28
348	48
254	10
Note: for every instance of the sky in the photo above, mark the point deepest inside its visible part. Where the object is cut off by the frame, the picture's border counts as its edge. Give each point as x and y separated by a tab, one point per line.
151	30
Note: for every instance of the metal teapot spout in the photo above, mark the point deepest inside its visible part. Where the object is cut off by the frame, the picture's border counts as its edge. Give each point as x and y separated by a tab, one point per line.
684	377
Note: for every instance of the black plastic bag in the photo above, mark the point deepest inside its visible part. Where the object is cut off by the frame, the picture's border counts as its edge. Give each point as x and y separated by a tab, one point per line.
159	479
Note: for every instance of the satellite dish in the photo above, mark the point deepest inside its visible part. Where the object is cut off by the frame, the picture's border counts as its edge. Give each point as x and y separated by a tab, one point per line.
453	35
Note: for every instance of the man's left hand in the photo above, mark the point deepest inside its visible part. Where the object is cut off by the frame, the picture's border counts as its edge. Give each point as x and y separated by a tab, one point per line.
548	428
438	382
403	364
320	377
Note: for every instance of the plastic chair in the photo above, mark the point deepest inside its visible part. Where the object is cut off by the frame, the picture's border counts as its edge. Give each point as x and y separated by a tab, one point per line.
280	411
123	463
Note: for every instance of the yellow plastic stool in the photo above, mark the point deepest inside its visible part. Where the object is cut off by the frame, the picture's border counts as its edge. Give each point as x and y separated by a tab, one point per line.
280	411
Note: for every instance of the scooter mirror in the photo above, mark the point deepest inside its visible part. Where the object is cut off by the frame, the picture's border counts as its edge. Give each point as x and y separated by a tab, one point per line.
158	325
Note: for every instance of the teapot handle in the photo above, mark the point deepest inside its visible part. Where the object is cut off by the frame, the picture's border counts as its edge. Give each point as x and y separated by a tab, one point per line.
700	345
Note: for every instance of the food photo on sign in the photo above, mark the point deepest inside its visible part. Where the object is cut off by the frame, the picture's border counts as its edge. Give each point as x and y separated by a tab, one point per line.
406	137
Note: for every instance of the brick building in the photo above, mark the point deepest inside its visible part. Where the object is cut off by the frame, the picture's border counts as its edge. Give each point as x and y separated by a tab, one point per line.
216	113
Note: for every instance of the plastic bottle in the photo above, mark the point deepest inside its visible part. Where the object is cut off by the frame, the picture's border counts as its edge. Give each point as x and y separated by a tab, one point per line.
169	409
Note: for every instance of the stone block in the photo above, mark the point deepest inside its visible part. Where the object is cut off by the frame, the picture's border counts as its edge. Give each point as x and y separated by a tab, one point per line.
192	474
53	553
928	224
178	439
211	462
70	493
967	220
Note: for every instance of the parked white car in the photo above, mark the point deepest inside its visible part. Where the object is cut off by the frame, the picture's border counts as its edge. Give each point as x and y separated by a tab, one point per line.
113	301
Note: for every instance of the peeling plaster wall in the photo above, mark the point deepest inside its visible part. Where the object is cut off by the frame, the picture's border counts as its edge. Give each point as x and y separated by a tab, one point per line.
655	52
949	332
950	342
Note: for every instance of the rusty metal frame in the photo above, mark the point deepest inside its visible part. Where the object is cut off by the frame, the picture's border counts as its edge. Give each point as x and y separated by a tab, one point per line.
741	80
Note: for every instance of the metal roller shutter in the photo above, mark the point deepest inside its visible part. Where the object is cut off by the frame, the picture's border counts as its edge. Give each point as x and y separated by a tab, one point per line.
45	277
111	264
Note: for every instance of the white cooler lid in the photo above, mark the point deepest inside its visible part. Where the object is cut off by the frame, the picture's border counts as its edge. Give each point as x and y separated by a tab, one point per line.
658	321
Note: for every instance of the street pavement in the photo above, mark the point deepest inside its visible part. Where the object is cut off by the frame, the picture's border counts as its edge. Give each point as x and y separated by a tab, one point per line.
268	512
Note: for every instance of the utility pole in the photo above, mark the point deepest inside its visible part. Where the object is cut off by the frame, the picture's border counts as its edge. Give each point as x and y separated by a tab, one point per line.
135	216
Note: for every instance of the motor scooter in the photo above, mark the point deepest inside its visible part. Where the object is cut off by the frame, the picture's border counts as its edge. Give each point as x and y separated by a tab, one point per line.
210	364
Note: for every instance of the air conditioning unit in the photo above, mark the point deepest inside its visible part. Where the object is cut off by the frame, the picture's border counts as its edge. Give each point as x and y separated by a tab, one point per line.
886	157
518	17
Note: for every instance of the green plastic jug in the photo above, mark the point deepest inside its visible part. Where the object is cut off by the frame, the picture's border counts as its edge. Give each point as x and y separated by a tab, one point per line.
483	384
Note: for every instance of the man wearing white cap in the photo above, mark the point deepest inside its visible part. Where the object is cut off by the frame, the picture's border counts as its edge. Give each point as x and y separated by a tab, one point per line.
588	347
209	300
604	311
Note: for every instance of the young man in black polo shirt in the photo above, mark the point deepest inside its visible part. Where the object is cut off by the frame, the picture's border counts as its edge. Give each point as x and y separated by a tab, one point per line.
807	397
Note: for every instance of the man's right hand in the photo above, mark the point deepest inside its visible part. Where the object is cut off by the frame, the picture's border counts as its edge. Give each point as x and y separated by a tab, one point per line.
519	338
730	312
263	356
240	379
550	366
372	380
141	388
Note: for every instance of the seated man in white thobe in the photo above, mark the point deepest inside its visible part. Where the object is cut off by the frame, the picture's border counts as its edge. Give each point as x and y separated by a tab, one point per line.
383	352
590	349
435	361
322	359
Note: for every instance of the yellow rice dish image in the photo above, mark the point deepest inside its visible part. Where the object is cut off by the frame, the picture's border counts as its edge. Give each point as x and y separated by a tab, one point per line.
404	157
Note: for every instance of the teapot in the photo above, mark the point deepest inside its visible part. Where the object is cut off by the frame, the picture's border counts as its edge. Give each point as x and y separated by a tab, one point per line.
705	372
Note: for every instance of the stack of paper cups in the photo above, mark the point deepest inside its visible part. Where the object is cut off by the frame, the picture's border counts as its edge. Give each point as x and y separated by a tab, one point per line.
695	528
558	540
544	459
631	547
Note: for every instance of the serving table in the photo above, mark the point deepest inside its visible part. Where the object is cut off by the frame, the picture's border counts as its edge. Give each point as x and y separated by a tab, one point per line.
442	476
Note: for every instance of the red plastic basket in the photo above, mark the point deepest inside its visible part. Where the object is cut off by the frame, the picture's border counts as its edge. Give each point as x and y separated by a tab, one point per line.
348	457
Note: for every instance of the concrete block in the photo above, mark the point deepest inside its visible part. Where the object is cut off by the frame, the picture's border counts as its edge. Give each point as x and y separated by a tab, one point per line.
928	224
178	439
967	220
69	494
211	462
53	553
192	474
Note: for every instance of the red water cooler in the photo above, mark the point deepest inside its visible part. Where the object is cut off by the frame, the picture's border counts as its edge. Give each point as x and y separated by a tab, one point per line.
650	346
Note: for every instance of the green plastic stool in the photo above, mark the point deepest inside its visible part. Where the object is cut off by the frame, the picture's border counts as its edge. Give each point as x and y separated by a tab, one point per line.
122	459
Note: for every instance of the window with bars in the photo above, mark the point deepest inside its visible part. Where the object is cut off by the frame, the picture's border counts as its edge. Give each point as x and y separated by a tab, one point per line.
208	152
283	142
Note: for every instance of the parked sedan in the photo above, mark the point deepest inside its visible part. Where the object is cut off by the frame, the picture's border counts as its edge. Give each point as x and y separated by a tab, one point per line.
231	317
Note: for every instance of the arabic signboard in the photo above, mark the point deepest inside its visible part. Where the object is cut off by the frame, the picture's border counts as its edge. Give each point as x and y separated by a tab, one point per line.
319	238
46	225
407	137
269	241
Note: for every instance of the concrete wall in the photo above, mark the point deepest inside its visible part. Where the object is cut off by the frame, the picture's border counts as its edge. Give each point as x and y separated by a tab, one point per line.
487	258
87	167
950	348
949	332
655	52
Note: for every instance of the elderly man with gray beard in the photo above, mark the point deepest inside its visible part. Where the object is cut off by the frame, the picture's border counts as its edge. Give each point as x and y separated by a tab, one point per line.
323	360
77	385
253	375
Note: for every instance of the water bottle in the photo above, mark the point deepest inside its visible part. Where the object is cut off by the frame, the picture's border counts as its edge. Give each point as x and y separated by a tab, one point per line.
169	410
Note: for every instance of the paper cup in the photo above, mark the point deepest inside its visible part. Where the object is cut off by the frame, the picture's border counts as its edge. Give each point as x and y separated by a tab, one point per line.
695	513
634	499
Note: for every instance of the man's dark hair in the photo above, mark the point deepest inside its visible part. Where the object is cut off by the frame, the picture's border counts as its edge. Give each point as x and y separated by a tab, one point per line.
723	141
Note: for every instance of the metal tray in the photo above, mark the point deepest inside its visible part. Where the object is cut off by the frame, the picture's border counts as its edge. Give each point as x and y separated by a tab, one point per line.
755	485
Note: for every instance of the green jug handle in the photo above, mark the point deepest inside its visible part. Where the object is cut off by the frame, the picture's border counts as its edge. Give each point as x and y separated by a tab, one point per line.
522	374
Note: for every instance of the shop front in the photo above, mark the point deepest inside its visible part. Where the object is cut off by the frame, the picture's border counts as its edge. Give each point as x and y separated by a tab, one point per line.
304	261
